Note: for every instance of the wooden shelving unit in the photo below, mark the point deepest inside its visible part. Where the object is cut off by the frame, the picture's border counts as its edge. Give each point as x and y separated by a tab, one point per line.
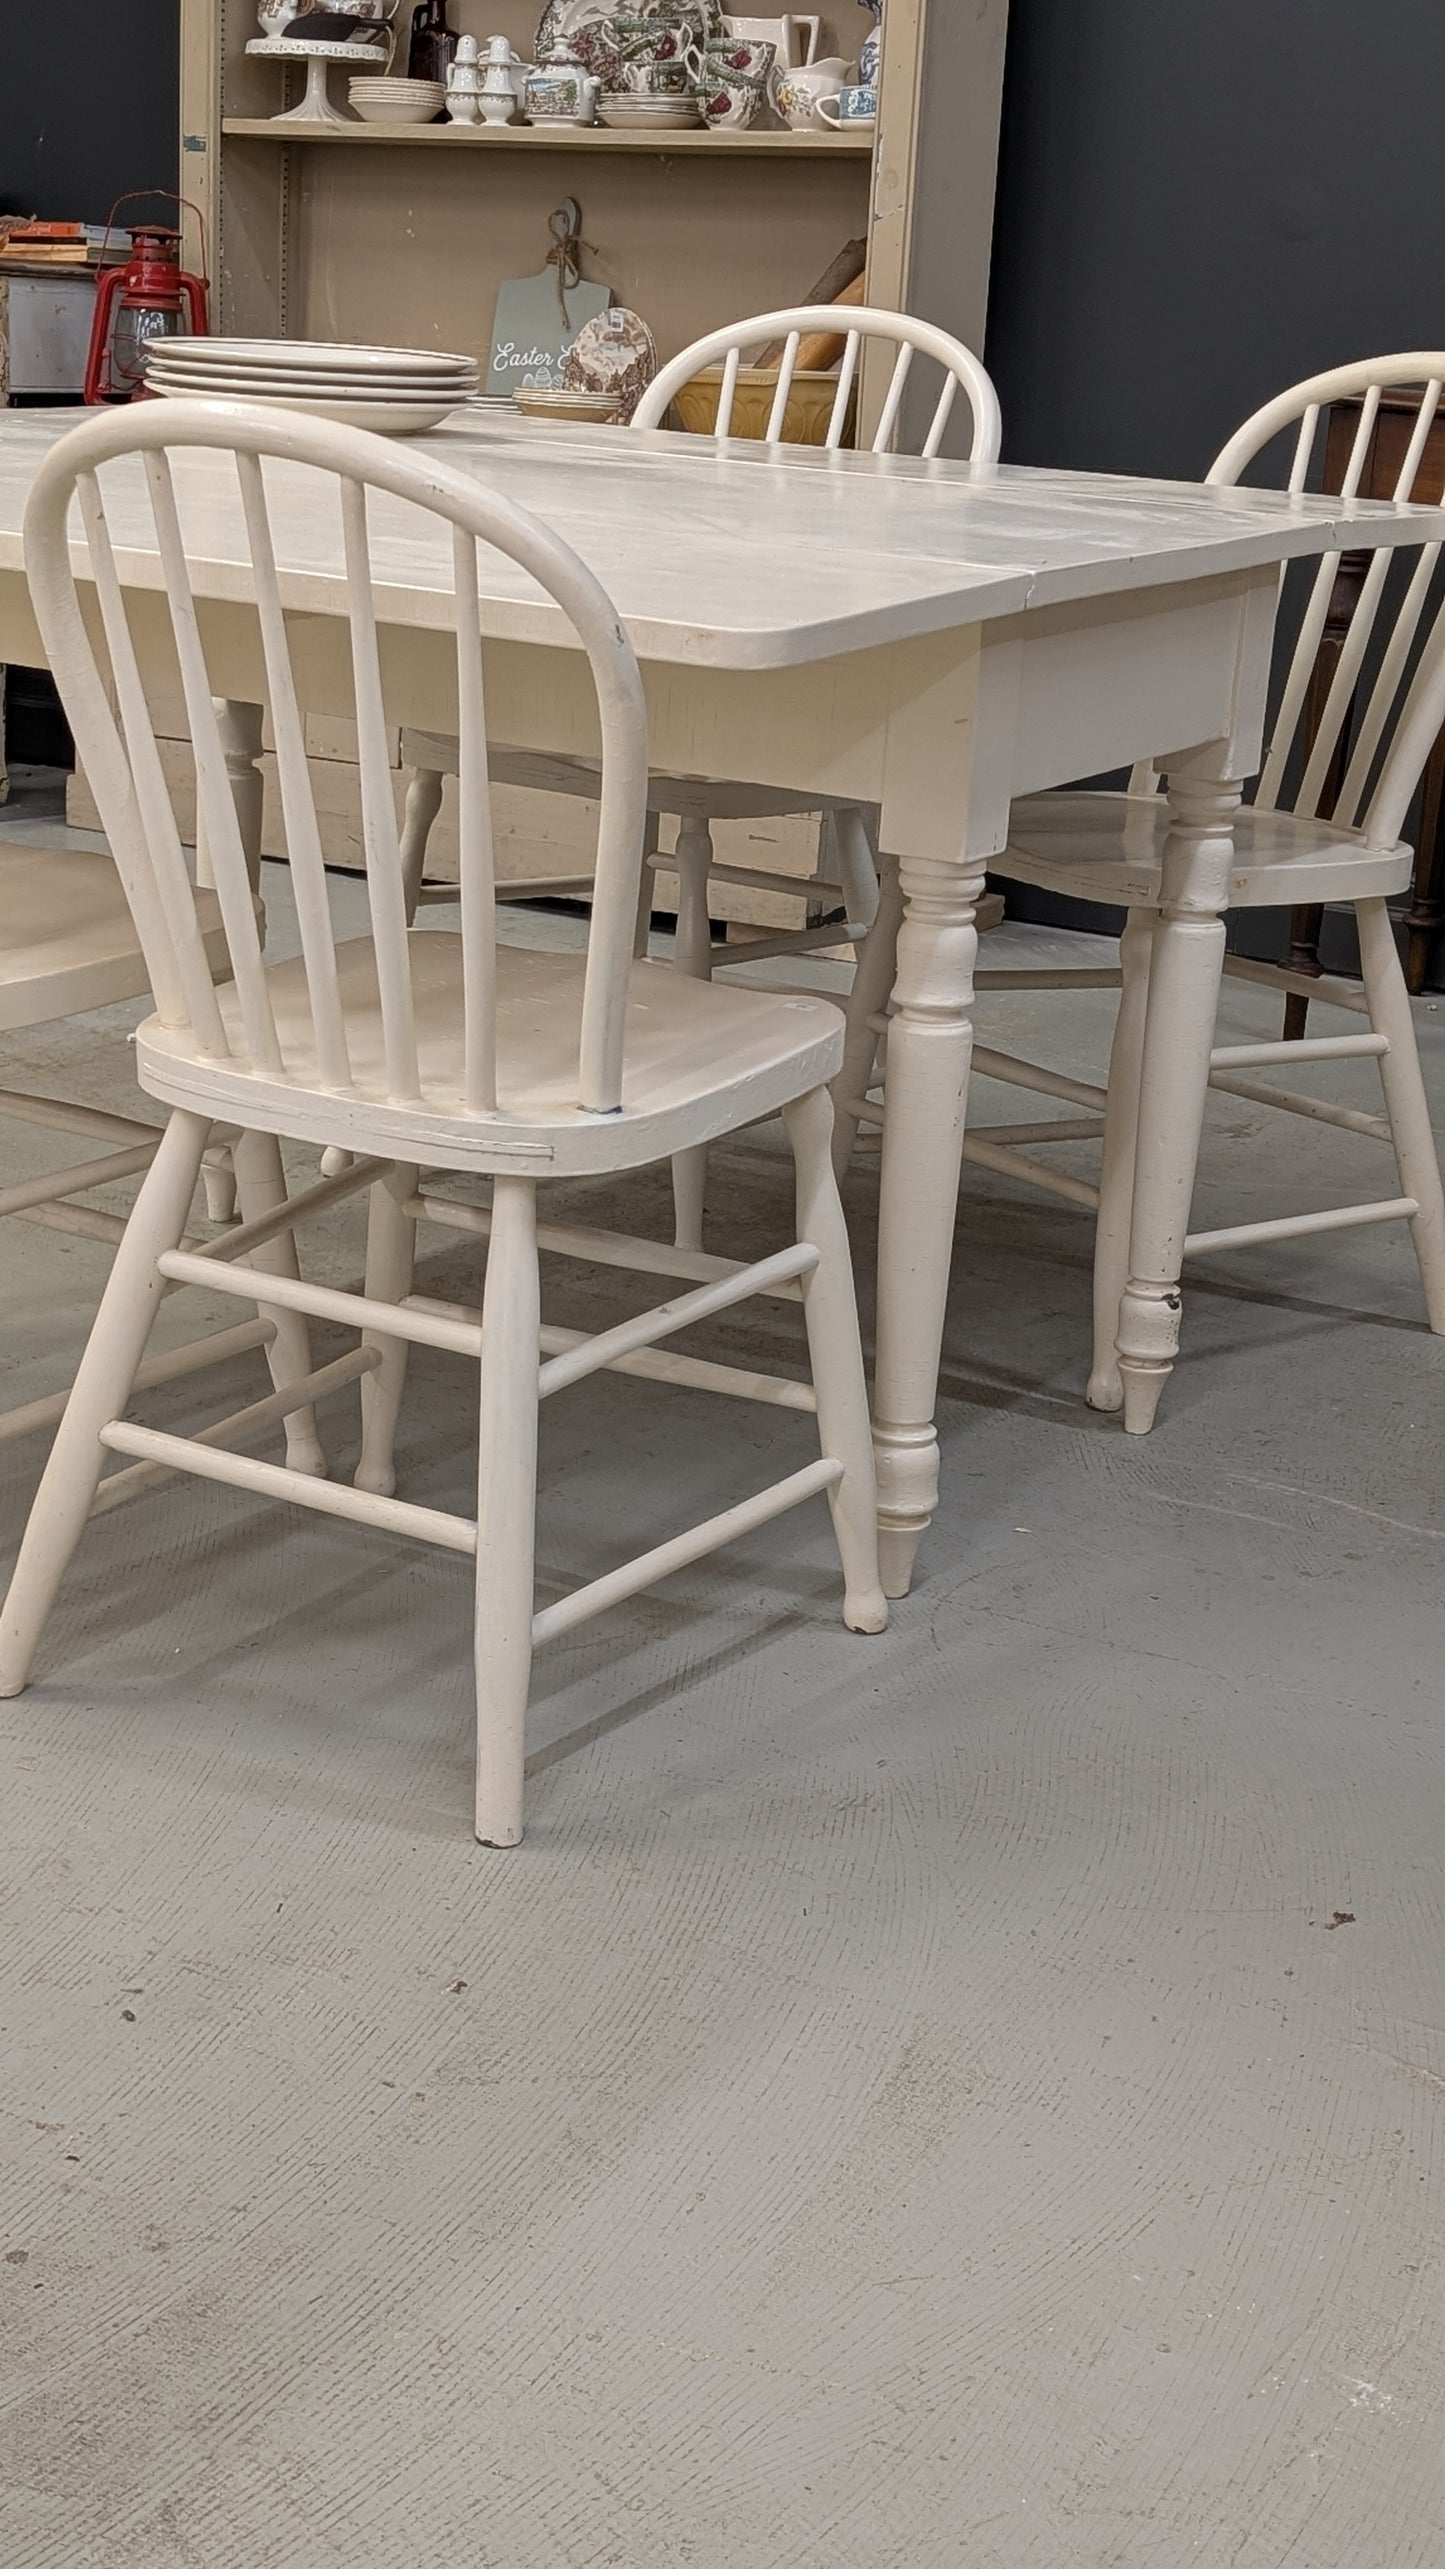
366	231
552	138
403	235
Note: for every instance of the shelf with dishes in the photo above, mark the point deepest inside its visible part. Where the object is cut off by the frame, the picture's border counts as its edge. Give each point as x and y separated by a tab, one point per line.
413	247
645	69
744	141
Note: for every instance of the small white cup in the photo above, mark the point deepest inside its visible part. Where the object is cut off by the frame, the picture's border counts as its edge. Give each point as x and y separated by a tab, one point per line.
844	109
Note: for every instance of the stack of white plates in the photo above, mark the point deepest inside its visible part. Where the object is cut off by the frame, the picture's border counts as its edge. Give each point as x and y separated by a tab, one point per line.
399	391
383	100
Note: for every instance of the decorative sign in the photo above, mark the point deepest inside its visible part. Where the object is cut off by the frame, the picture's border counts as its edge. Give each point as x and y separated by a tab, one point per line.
538	318
537	321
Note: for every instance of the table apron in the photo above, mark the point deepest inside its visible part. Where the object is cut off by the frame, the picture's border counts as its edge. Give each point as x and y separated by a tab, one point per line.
1106	681
940	730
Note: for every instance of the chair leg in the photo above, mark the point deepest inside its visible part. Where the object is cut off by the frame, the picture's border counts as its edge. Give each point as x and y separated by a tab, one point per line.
857	861
506	1509
260	1188
423	802
646	892
390	1259
1116	1183
218	1177
1405	1100
830	1310
100	1392
1179	1019
692	954
873	979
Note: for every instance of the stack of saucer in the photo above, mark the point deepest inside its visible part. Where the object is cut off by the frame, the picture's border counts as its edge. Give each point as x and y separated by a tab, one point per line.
640	111
557	401
399	391
383	100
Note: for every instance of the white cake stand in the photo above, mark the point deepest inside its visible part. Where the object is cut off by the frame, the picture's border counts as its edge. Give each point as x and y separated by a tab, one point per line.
316	107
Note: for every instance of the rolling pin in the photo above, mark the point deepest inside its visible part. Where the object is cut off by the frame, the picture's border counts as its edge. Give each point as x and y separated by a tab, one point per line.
838	277
824	348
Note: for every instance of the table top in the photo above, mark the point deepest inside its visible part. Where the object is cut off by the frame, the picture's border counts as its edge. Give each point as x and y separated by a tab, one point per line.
732	556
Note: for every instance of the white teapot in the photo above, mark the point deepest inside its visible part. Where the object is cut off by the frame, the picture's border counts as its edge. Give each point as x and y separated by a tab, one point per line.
558	90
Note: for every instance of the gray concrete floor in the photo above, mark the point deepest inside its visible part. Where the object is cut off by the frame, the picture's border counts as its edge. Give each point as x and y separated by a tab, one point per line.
906	2103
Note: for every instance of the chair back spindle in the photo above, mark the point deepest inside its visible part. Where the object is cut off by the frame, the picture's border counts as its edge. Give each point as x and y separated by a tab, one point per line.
1359	709
145	469
855	325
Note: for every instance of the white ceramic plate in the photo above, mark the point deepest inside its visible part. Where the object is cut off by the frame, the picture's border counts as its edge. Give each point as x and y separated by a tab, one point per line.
667	117
178	386
175	361
318	357
388	418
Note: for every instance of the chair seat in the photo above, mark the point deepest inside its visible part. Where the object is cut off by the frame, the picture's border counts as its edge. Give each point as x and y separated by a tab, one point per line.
702	1059
67	940
1107	847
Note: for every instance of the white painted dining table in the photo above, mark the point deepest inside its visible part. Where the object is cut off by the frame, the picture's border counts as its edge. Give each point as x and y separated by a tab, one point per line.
930	637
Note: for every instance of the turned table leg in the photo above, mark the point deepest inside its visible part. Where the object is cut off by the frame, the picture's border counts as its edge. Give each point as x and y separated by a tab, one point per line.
1184	976
240	728
930	1043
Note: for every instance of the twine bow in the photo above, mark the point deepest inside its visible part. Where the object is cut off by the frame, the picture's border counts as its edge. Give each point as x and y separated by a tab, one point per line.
565	255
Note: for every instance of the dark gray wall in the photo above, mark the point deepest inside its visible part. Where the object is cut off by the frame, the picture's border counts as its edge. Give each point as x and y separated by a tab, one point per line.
89	107
1201	202
88	103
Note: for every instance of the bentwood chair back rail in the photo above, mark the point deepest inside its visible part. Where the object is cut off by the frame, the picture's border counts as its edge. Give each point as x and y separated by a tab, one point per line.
853	326
1350	738
407	1049
847	869
1393	447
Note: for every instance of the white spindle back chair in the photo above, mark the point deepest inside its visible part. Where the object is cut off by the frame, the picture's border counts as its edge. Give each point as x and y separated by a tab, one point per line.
126	773
846	877
857	325
1342	765
406	1049
1311	738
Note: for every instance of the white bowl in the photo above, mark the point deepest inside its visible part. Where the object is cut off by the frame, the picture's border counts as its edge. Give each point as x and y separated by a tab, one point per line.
396	111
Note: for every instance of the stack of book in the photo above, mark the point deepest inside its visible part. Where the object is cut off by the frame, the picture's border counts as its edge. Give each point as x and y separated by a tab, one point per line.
59	245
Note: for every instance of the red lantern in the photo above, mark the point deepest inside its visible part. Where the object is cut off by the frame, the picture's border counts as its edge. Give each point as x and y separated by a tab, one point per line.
150	297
